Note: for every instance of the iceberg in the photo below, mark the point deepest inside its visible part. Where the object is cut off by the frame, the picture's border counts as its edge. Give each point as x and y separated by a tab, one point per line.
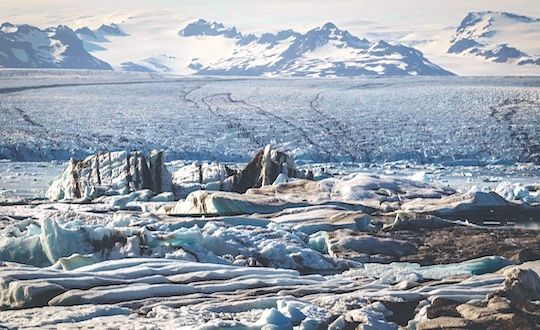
269	166
111	173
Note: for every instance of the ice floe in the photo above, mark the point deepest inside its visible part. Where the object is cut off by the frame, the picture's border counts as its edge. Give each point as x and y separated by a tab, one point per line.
360	191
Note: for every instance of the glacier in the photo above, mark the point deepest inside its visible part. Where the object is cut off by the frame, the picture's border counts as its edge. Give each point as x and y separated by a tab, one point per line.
313	120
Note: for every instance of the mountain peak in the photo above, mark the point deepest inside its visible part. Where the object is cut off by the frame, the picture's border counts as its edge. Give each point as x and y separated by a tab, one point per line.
202	27
26	46
475	17
482	34
328	26
110	29
7	27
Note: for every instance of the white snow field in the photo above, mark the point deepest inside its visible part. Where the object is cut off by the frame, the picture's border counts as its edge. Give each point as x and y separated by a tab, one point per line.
48	114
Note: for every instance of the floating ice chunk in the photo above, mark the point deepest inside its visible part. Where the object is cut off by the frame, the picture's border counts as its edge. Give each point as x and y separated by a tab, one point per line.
26	249
397	272
267	166
470	201
347	243
121	201
471	267
262	170
65	234
229	203
319	241
273	317
371	317
273	246
312	219
419	176
111	173
413	221
518	192
196	176
58	242
379	192
163	197
75	261
358	190
191	241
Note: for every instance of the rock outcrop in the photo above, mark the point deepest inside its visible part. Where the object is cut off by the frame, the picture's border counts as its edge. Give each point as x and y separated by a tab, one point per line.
111	173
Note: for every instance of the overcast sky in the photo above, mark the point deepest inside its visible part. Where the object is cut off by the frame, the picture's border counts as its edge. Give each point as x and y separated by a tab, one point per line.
256	16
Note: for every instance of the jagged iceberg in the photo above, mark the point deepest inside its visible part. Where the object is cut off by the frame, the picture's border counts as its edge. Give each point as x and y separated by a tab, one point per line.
111	173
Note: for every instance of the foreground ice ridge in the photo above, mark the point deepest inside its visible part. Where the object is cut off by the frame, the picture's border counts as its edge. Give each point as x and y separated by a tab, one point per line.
168	294
171	293
257	270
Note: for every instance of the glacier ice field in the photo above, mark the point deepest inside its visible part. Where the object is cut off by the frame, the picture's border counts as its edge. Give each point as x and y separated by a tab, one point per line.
52	114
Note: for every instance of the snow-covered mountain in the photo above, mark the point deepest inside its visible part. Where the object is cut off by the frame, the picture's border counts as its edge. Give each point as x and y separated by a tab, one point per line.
498	37
206	48
25	46
204	28
93	39
322	51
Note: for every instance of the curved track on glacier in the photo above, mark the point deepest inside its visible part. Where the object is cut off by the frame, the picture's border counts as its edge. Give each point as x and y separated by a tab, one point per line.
272	116
505	113
211	103
337	130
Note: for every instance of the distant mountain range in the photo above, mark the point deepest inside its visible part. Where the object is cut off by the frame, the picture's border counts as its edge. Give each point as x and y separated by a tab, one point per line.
323	51
498	37
210	48
25	46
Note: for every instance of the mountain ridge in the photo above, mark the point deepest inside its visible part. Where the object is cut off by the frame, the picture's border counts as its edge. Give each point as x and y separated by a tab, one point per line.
323	51
485	34
26	46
